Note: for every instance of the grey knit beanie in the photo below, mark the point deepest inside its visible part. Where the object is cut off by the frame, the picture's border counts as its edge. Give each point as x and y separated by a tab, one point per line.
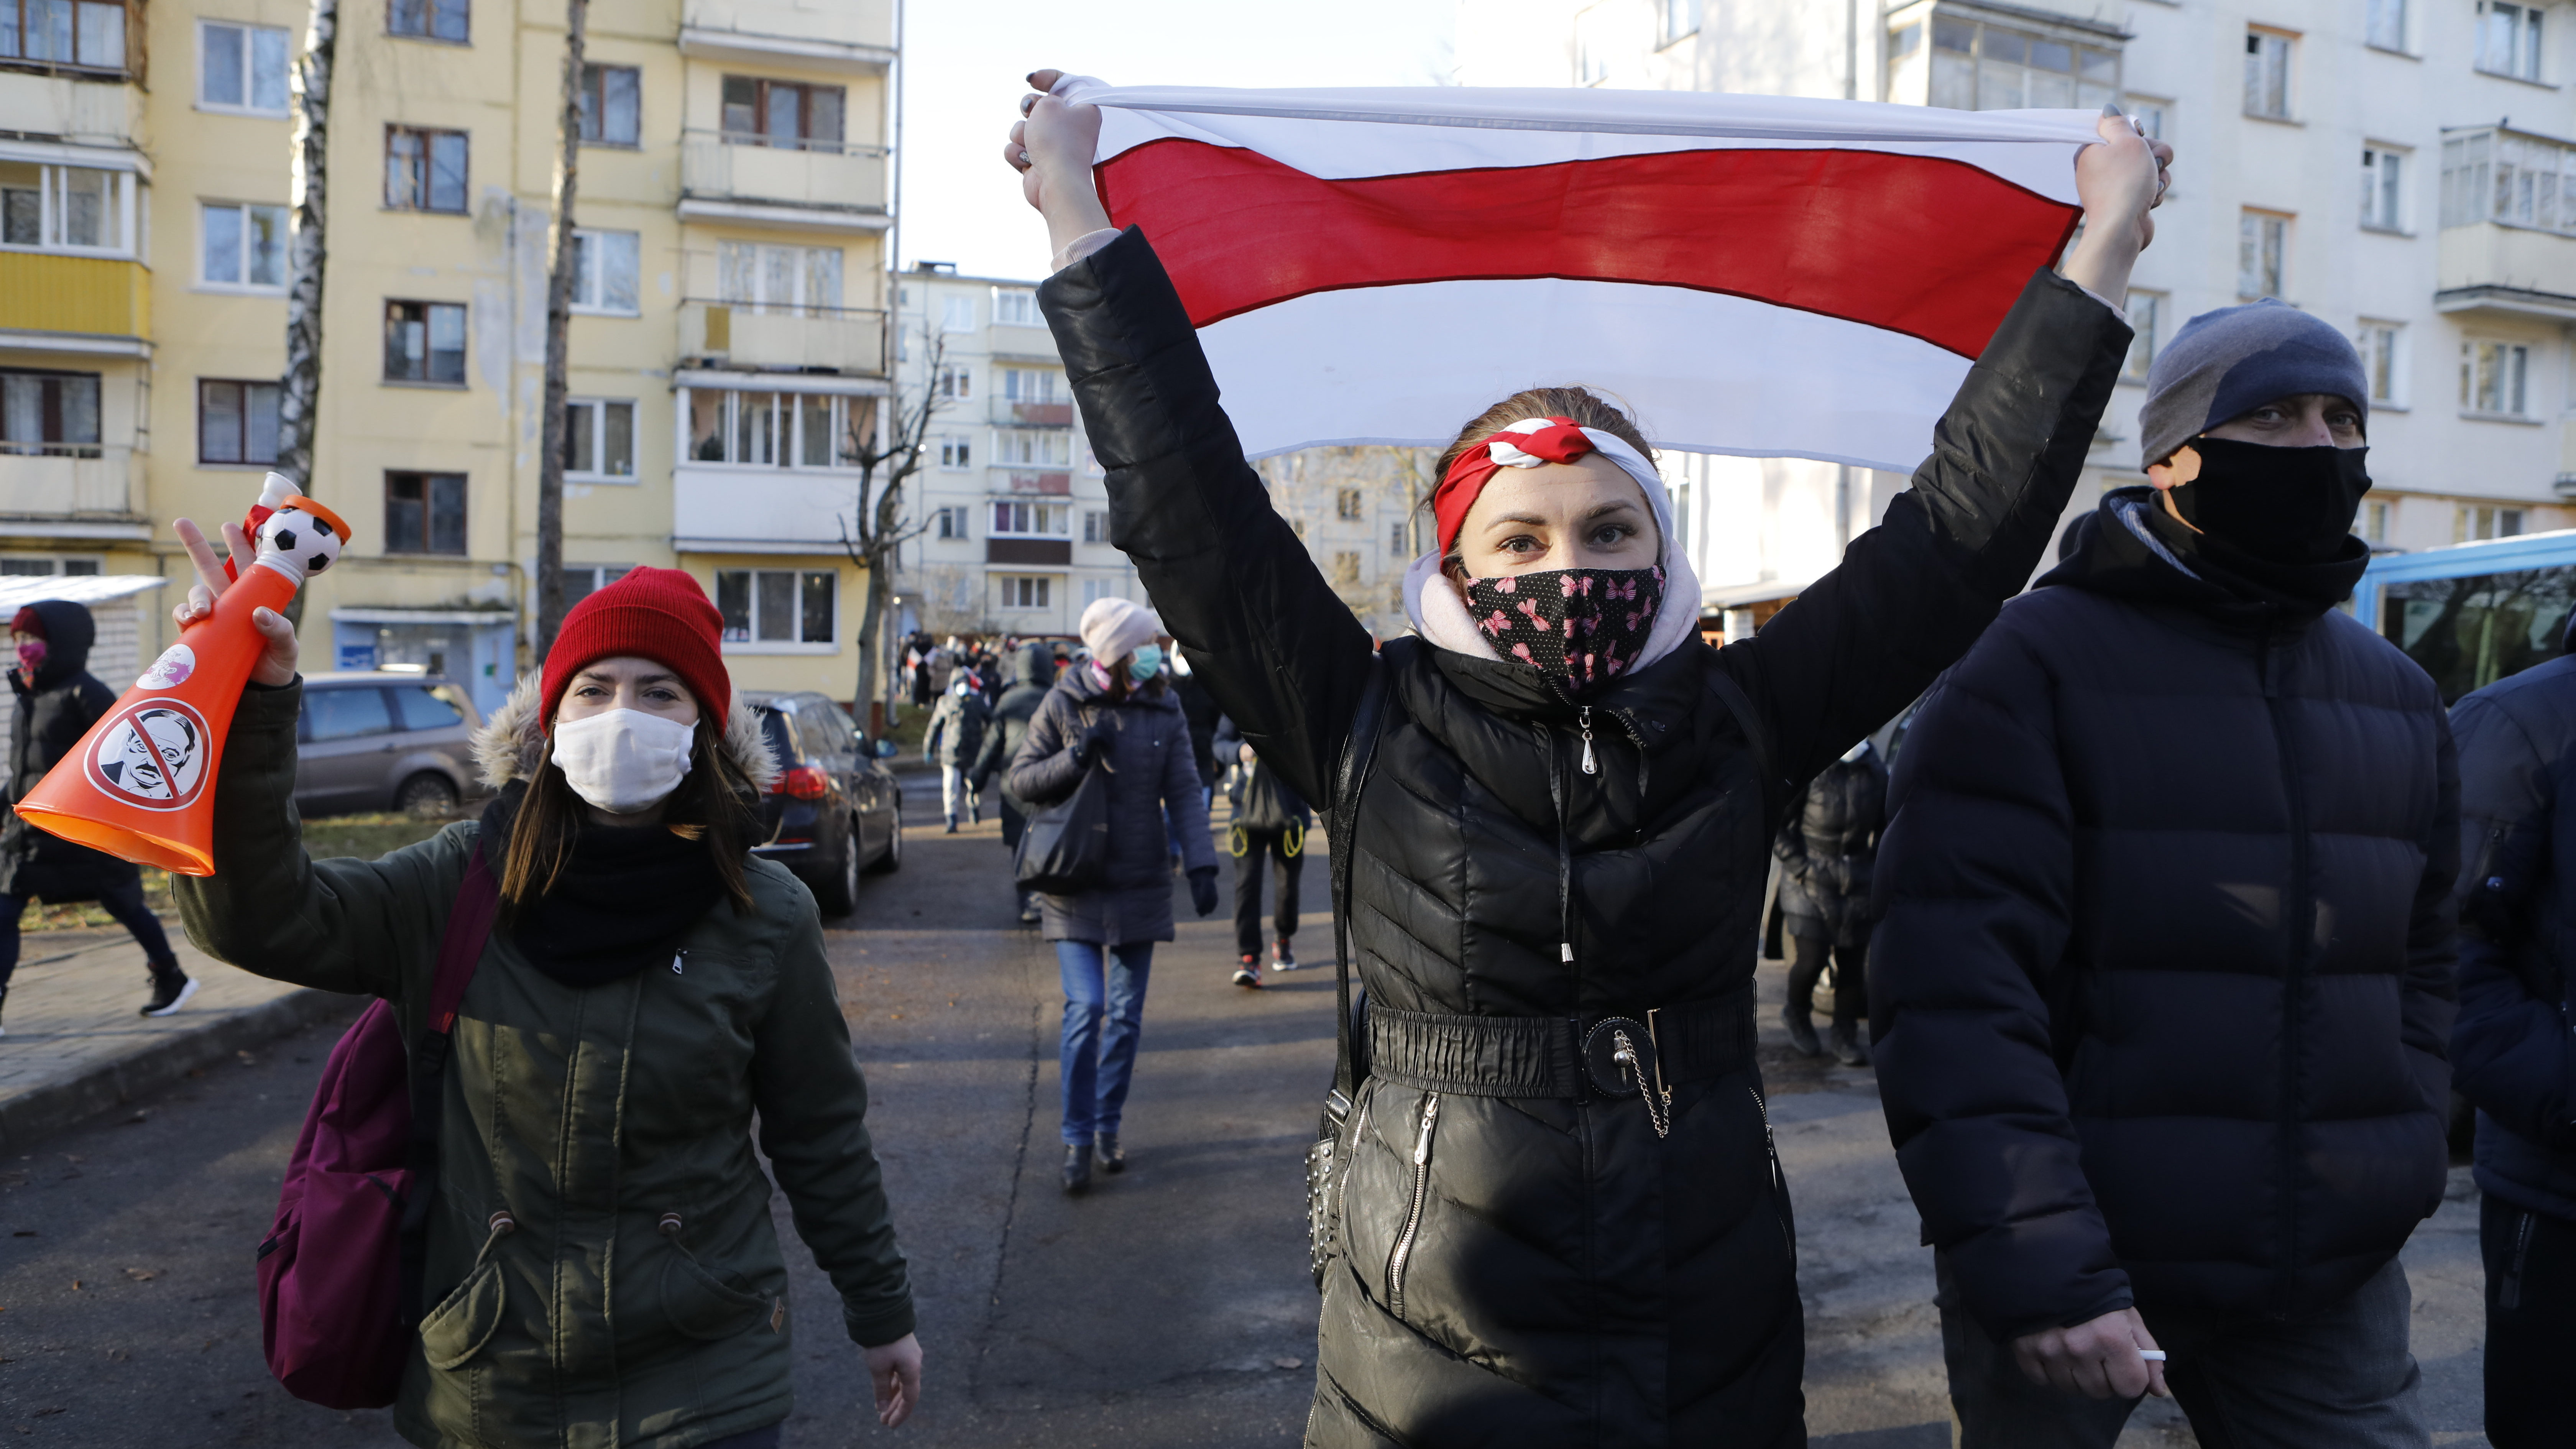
2231	361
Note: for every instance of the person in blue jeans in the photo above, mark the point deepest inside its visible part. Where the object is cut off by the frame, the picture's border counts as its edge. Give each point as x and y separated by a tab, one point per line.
1116	714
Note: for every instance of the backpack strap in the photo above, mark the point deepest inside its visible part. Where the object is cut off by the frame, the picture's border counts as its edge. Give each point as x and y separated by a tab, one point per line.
1359	753
469	928
1757	735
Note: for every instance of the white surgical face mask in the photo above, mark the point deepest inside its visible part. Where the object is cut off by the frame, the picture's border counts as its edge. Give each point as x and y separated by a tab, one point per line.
623	760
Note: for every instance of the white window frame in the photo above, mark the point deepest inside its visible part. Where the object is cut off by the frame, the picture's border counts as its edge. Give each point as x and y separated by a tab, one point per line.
796	592
591	244
55	565
2478	522
245	41
1095	527
2000	50
1016	307
1095	590
2384	350
744	272
951	523
1029	518
1035	385
1017	591
957	313
1055	440
2376	517
957	382
2262	42
598	408
2384	26
2385	201
1677	20
53	190
2252	221
956	454
286	248
2516	381
791	435
2526	45
2154	114
2147	311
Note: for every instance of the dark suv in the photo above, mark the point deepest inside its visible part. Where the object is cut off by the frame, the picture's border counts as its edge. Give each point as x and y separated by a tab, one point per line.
835	811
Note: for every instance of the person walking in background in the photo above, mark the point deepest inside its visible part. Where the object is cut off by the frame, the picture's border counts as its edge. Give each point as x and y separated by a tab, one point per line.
956	733
2163	986
916	656
58	701
988	674
1270	821
603	1264
1030	670
1826	852
2510	1049
1115	714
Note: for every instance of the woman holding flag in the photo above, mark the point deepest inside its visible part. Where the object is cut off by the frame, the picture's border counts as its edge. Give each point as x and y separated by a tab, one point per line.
1558	1220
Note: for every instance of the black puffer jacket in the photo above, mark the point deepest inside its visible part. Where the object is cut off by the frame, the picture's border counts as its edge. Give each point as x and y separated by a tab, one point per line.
53	713
1568	1278
2517	894
1153	792
2163	981
1260	799
1828	849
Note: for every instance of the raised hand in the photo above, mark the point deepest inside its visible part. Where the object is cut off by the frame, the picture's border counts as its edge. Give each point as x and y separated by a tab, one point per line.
276	664
1051	146
2121	182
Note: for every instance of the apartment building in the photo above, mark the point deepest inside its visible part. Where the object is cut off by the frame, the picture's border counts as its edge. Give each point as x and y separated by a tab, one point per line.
728	339
1359	512
1011	508
2404	168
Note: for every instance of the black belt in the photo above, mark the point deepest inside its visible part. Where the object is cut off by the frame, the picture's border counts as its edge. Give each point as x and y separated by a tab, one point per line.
1562	1056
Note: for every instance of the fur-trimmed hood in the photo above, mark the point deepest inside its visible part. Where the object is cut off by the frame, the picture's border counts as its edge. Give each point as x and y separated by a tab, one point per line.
512	743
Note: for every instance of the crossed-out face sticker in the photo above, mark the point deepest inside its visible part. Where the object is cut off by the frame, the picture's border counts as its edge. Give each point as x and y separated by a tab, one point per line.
153	755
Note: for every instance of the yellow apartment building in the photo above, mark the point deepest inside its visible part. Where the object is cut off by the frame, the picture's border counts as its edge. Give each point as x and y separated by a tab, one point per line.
728	336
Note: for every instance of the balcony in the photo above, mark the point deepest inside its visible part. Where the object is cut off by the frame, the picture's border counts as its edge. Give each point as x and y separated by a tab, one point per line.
798	339
1029	480
74	304
1028	551
843	189
1011	414
759	510
847	34
84	108
2513	270
58	494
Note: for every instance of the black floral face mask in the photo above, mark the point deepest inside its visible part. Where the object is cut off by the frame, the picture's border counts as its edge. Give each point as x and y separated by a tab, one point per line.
1584	627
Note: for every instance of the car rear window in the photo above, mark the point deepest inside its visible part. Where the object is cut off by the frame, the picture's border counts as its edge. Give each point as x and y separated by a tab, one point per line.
341	714
782	743
421	710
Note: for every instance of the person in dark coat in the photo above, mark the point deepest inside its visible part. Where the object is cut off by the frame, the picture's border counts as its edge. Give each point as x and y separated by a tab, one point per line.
1030	670
954	738
58	701
2163	984
1529	1244
1269	823
2510	1050
1115	714
1826	853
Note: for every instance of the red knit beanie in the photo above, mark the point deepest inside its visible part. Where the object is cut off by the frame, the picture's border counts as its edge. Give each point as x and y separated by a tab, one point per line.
657	614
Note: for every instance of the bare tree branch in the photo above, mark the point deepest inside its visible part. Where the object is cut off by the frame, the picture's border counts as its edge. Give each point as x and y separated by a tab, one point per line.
550	444
875	527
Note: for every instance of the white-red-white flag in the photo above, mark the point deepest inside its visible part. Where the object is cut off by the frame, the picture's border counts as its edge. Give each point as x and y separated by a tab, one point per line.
1757	275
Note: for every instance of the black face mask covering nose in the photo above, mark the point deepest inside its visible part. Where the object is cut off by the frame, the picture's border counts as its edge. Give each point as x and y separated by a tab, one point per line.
2280	505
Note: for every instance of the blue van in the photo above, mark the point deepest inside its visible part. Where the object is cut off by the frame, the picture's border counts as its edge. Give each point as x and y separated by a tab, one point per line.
2474	612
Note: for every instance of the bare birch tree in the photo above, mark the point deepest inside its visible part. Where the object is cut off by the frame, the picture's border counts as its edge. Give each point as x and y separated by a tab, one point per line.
301	392
876	526
559	280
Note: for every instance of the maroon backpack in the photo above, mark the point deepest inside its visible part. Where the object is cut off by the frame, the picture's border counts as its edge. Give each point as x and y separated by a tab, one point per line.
339	1274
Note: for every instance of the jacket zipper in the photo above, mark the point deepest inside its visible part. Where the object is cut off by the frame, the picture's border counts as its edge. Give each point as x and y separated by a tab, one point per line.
1342	1183
2509	1288
1779	1178
1590	766
1401	1255
2302	930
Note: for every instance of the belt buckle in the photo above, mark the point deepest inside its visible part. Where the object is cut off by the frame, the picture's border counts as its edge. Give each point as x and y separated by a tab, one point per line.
1619	1056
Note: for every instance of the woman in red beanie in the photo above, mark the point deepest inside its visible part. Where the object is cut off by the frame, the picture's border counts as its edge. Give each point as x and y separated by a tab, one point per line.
601	1260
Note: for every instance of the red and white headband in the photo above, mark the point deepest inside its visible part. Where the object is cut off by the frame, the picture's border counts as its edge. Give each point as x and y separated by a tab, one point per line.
1528	444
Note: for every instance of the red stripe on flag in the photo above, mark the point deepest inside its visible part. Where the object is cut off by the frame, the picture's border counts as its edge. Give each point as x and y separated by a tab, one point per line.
1930	247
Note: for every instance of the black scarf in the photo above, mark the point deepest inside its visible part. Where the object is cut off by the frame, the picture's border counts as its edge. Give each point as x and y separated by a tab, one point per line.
2104	554
623	902
2300	591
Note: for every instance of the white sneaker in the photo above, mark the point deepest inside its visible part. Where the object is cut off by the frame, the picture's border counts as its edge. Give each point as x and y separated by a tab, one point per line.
159	1007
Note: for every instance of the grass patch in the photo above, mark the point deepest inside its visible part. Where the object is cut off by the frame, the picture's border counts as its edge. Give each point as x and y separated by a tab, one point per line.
364	836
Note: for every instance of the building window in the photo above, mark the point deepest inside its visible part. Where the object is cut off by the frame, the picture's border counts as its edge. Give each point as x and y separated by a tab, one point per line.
1033	447
2494	378
604	265
240	68
87	34
425	342
243	245
1676	20
2509	39
1095	590
2154	115
20	566
1032	385
2495	175
612	104
580	581
425	513
760	112
1982	67
2374	522
771	429
1016	307
1346	567
2385	27
791	281
2262	242
599	439
1346	503
49	414
66	208
2471	522
2146	330
1015	519
776	606
429	19
956	454
424	170
1024	591
948	523
1095	526
236	421
957	382
956	314
1396	541
2383	188
2267	74
2382	346
1592	47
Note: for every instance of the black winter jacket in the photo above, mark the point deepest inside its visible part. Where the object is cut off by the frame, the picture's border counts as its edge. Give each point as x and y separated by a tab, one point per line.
2517	893
1153	797
1260	799
1829	848
2163	980
1030	670
1568	1277
53	714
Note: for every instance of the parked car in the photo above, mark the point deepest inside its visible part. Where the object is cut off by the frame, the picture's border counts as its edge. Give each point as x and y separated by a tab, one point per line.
383	740
836	810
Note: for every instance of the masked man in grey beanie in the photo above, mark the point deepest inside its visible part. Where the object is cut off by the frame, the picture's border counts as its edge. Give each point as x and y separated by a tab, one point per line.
2162	987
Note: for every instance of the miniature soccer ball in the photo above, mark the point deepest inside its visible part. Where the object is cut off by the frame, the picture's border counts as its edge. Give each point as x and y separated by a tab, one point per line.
311	542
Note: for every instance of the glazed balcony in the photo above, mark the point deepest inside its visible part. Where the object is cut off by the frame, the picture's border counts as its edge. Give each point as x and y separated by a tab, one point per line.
88	304
724	177
851	34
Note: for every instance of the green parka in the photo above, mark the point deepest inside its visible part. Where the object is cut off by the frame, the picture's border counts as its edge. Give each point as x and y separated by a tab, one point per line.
640	1302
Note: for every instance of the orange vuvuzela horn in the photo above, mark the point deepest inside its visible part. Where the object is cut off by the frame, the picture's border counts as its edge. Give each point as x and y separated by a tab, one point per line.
141	784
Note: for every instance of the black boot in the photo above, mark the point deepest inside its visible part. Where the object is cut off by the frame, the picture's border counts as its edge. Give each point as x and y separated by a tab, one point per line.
1801	1022
171	988
1848	1048
1077	1169
1113	1158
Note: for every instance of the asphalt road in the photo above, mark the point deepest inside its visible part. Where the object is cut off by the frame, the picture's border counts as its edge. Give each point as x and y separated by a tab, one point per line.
1171	1307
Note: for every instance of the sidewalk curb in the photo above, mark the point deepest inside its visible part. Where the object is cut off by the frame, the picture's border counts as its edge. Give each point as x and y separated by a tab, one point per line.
51	1108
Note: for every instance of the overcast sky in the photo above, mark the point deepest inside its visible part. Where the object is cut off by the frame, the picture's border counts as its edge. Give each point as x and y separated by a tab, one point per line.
963	65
